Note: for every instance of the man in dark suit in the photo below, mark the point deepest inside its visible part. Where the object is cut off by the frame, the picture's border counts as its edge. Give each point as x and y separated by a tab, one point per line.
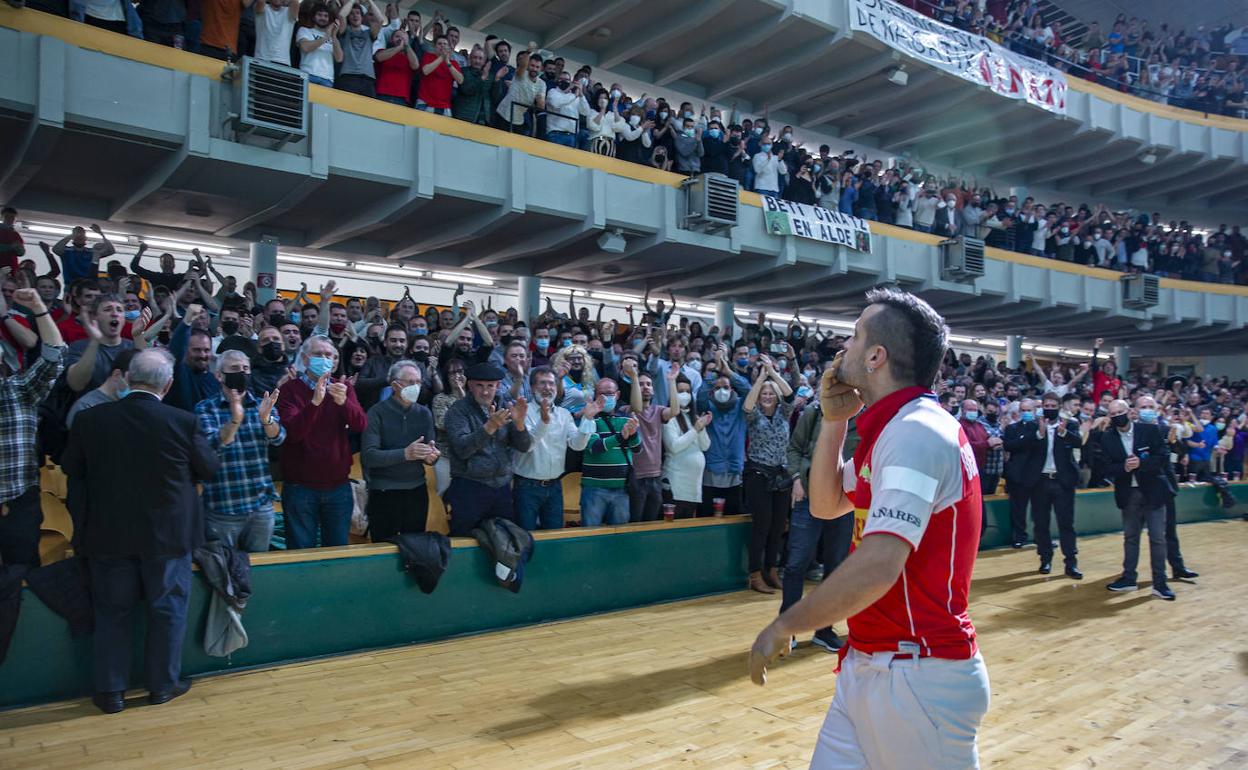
948	222
1021	469
1135	459
139	460
1054	489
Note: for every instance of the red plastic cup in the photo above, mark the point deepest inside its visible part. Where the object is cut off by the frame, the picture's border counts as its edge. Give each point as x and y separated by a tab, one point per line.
718	505
669	512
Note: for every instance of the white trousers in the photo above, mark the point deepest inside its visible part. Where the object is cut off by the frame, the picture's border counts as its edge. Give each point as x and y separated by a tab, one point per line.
892	713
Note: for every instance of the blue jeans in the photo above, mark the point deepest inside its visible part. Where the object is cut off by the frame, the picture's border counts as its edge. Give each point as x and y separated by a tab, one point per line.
320	81
539	506
420	105
772	193
561	137
805	532
399	100
249	531
115	589
600	505
308	510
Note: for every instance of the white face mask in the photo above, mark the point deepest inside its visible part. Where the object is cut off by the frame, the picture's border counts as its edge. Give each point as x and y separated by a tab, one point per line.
723	395
634	121
410	393
683	399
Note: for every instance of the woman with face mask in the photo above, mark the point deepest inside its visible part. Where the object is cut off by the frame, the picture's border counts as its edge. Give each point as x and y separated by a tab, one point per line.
723	395
604	123
685	439
767	482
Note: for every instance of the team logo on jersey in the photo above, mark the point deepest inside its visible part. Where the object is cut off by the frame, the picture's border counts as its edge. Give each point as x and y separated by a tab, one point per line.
865	473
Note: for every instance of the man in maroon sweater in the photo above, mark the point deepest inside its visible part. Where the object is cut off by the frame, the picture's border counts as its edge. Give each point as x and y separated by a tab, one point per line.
318	412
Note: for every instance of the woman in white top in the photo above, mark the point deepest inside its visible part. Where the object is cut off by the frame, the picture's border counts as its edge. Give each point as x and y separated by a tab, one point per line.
686	440
603	125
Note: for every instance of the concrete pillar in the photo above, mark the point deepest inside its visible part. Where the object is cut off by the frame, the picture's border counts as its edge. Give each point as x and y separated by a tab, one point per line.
725	318
1013	350
1122	359
264	268
528	298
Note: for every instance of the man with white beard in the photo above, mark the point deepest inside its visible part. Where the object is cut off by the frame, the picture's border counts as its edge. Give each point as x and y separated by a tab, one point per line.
538	488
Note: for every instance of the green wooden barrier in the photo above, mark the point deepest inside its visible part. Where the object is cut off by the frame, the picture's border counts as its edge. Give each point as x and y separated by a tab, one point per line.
306	609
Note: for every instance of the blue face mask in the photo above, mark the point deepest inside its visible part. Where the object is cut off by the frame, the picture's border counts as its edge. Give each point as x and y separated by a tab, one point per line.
805	392
543	343
419	332
1027	417
714	133
294	316
608	403
319	366
1148	415
972	416
133	315
743	362
765	147
567	343
124	390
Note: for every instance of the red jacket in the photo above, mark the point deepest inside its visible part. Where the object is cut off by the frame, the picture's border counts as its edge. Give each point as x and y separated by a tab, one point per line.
977	437
317	452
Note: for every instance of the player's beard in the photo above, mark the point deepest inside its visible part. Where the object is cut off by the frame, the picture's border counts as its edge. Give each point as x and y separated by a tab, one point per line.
852	371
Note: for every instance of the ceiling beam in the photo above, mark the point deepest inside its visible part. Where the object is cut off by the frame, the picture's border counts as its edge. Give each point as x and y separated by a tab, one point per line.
1143	183
973	139
1038	156
1073	163
650	37
387	211
293	197
972	119
549	239
742	39
581	23
493	10
1098	176
847	77
921	103
1204	188
767	68
147	184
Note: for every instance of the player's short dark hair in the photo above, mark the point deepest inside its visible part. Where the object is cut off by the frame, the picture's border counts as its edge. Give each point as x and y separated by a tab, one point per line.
913	333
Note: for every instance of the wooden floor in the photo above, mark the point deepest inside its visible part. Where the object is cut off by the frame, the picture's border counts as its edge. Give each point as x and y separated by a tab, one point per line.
1081	678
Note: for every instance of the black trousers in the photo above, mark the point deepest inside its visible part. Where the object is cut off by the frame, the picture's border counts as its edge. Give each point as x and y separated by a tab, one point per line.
1052	496
19	529
645	499
732	500
392	511
1173	554
1020	498
357	84
770	512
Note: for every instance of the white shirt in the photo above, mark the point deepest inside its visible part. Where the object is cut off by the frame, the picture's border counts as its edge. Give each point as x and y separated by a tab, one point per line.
274	28
319	62
551	440
1050	466
768	169
1128	446
567	104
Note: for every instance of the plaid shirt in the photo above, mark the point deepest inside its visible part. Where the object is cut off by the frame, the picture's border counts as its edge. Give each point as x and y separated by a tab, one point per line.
243	483
19	418
994	462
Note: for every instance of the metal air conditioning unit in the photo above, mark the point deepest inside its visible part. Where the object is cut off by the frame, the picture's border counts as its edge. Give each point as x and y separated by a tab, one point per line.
962	259
271	102
711	202
1140	291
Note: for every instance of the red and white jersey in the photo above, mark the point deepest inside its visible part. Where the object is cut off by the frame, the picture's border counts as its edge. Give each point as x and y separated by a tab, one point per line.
920	483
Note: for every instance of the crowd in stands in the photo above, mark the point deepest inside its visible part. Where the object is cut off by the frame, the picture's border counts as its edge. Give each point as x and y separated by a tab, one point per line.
1202	70
410	61
650	412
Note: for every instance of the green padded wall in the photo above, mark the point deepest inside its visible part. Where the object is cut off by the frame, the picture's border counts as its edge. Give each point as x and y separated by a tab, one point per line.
324	607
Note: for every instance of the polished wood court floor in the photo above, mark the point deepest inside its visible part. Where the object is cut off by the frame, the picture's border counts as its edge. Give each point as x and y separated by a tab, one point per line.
1081	678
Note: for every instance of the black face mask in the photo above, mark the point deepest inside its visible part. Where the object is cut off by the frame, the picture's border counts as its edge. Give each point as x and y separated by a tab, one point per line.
596	355
273	351
420	356
237	381
991	417
564	85
1051	414
505	340
1120	420
229	327
277	319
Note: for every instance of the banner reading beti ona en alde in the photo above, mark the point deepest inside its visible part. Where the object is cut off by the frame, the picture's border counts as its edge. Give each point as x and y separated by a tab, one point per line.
960	53
818	224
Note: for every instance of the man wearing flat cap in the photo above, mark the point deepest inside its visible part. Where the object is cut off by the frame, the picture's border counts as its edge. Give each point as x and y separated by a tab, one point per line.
482	436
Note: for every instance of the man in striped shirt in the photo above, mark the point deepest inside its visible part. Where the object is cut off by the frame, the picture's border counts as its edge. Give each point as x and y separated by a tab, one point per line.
607	461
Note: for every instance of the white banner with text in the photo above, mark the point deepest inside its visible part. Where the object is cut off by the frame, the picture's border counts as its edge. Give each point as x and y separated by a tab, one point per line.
960	53
818	224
